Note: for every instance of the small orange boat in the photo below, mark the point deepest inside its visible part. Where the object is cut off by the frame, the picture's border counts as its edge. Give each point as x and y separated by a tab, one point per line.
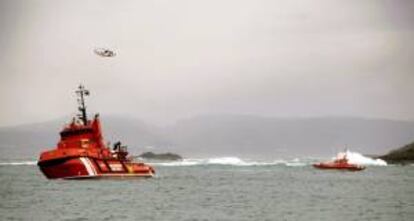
340	163
81	152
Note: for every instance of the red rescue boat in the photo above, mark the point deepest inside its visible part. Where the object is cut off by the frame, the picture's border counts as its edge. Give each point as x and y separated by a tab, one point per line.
82	153
340	163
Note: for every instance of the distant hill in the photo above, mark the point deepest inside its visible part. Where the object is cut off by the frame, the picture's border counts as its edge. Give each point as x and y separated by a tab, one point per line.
25	141
219	135
252	135
401	155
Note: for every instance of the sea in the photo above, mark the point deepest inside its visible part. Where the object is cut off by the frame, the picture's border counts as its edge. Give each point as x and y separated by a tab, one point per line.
223	188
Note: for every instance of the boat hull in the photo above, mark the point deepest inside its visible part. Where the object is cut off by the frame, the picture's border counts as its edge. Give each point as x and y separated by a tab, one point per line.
89	168
349	167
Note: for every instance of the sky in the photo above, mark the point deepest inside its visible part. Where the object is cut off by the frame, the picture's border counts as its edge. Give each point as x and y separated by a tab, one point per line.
183	58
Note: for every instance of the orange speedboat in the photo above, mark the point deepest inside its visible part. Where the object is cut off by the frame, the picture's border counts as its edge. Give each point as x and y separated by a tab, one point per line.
340	163
82	153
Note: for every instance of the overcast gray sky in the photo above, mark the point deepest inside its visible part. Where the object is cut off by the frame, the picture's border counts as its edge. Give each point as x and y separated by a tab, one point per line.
181	58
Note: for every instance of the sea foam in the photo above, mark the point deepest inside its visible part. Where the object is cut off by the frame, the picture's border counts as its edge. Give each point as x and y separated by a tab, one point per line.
19	163
231	161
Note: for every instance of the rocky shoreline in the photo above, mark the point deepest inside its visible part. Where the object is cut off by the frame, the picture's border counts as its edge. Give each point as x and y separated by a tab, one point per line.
403	155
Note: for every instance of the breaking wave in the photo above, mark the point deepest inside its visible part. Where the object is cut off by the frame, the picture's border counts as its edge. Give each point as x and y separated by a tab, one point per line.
353	157
357	158
20	163
232	161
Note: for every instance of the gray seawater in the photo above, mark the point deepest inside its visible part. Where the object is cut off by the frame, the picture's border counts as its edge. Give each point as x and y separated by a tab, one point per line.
213	192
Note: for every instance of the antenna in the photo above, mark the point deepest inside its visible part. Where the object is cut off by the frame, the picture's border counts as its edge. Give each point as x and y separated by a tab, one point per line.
82	92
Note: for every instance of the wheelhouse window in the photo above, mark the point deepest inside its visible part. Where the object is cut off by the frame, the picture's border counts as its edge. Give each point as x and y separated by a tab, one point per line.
71	133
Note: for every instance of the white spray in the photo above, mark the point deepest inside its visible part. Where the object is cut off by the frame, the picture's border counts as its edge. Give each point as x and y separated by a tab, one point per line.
357	158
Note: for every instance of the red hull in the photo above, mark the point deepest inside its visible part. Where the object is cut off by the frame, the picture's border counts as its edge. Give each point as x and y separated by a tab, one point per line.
84	167
334	166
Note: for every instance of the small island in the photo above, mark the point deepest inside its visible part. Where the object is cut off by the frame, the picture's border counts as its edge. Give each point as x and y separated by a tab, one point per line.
160	156
401	155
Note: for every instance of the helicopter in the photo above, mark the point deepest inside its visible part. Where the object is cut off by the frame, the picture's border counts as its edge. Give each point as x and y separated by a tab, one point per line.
104	52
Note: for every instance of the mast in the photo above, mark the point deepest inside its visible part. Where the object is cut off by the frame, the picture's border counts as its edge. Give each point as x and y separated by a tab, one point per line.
82	93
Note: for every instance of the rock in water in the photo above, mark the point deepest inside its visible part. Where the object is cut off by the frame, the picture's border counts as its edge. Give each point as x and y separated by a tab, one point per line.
160	156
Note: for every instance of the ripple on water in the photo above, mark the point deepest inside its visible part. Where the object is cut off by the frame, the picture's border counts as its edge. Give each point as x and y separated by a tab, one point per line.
213	193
